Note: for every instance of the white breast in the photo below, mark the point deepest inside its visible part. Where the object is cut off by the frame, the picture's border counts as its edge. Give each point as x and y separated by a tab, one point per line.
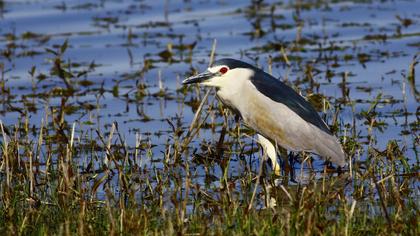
272	119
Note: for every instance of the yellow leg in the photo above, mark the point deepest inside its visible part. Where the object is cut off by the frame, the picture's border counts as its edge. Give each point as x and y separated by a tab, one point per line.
270	151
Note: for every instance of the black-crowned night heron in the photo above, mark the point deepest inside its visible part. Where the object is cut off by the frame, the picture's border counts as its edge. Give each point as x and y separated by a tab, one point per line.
277	113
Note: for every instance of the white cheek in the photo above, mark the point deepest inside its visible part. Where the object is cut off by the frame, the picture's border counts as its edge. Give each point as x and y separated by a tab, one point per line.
215	69
231	79
215	81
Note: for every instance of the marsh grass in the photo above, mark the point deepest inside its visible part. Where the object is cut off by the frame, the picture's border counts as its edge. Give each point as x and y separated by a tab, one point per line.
64	175
49	192
64	178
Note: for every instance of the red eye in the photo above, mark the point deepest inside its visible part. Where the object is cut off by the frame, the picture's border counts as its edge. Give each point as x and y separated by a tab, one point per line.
223	70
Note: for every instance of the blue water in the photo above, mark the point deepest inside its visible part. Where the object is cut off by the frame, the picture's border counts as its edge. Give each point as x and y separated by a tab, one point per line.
155	24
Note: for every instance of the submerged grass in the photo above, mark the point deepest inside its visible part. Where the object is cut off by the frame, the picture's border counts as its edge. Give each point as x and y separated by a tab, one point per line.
75	178
47	191
70	174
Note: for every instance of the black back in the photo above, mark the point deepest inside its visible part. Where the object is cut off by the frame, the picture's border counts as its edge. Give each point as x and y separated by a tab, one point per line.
279	92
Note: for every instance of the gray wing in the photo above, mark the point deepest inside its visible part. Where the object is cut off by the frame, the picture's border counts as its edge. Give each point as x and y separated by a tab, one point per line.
280	92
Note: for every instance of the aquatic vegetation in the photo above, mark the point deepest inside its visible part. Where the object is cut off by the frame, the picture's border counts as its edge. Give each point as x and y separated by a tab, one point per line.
97	135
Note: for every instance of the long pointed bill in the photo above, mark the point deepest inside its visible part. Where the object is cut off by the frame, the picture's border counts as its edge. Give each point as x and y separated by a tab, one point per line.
198	78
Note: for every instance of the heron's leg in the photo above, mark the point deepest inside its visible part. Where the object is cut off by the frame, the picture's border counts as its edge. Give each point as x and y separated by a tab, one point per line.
270	151
291	163
285	164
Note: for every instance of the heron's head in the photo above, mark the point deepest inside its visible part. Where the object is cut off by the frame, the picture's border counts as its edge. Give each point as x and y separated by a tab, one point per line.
224	73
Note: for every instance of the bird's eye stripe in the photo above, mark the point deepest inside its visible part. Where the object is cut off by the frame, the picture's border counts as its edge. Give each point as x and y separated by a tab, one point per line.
223	70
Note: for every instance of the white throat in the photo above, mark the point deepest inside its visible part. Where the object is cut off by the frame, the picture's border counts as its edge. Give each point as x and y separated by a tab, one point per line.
233	86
